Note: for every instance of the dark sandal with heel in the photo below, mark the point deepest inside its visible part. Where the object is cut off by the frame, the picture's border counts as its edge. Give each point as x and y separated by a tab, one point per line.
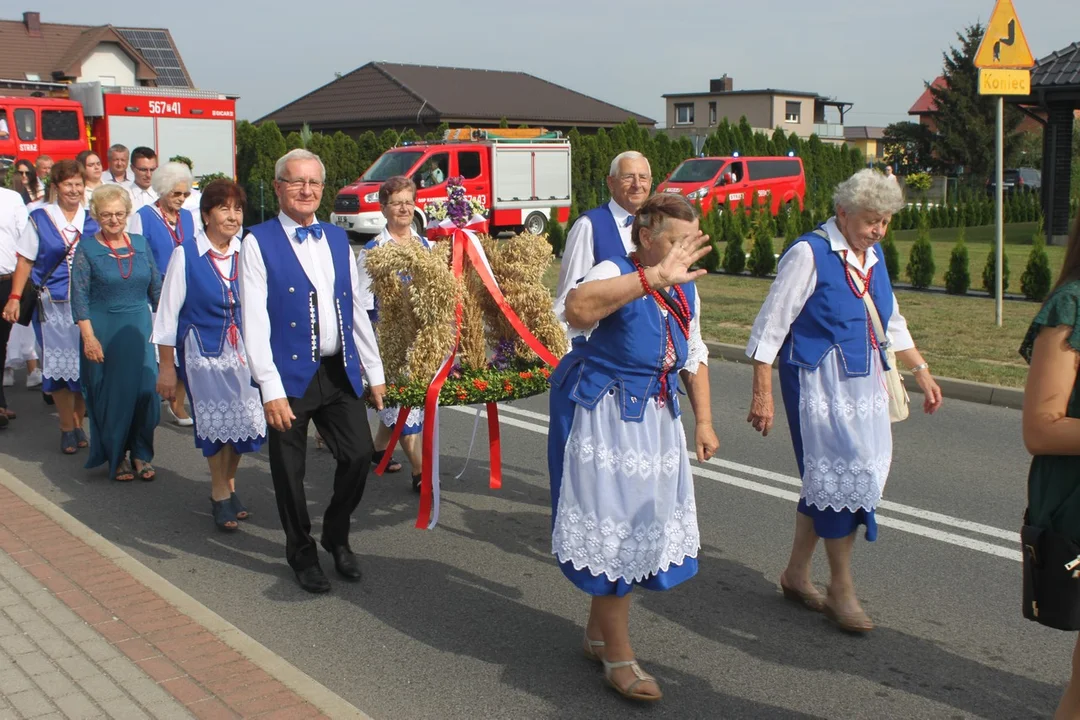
392	467
80	438
416	480
69	443
238	508
224	515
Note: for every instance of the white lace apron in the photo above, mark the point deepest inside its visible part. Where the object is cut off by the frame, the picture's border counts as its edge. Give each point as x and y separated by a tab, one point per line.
846	435
227	407
626	507
60	345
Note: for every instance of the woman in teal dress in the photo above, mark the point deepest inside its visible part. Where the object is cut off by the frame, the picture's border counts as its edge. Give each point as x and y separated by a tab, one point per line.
1051	422
113	279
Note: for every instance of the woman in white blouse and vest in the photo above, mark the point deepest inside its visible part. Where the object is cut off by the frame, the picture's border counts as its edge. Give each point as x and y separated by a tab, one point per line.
816	320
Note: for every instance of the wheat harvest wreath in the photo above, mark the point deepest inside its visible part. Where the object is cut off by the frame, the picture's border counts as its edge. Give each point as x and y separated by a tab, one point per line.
469	322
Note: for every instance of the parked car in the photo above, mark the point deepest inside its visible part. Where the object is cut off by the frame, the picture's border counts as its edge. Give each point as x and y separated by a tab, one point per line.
1017	179
778	181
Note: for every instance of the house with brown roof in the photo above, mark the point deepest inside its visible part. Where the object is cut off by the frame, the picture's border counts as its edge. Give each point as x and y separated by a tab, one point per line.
381	95
866	139
36	56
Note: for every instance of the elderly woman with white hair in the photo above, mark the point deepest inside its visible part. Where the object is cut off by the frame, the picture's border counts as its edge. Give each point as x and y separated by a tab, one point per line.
817	320
166	224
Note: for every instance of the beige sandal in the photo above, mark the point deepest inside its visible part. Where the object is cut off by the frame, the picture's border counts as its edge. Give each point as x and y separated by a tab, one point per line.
628	691
591	647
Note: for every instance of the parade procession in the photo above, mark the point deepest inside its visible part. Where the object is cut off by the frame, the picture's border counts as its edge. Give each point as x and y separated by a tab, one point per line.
512	402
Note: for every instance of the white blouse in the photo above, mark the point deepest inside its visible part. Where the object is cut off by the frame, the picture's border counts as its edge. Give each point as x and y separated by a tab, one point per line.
796	280
174	288
697	352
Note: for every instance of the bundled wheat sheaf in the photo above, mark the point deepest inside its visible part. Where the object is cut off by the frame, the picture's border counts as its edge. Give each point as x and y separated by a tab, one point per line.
417	295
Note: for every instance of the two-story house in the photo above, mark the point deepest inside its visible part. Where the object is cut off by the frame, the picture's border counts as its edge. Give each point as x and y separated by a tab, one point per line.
696	114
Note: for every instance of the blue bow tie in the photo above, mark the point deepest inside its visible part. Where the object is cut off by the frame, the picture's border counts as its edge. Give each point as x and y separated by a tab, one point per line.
629	221
303	232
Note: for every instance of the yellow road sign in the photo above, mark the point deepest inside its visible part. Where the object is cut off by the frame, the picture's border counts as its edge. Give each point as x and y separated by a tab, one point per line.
1004	82
1004	44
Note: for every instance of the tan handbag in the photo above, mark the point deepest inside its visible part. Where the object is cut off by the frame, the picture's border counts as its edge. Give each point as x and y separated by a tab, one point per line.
899	402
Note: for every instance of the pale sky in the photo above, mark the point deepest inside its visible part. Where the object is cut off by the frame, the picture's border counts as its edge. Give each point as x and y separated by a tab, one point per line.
873	53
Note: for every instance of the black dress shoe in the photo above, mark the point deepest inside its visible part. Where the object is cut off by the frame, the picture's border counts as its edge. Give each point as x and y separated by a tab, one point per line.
312	579
344	561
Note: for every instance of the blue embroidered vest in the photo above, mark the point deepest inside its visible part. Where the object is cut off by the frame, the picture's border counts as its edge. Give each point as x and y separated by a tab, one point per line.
206	308
159	238
607	243
834	317
294	311
51	248
624	356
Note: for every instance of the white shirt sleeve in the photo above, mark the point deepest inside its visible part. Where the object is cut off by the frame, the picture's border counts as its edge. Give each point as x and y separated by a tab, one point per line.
796	278
173	294
577	260
26	244
899	336
697	352
602	271
256	319
134	224
364	334
366	296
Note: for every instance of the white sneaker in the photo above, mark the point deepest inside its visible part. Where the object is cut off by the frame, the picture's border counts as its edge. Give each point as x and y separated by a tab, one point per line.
33	379
9	377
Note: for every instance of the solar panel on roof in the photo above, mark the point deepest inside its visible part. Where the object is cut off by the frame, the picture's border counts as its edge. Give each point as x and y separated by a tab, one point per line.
158	51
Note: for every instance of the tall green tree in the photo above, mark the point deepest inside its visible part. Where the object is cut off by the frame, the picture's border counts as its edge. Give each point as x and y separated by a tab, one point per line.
908	147
965	119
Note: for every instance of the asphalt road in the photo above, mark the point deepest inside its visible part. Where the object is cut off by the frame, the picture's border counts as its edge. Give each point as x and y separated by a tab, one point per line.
474	619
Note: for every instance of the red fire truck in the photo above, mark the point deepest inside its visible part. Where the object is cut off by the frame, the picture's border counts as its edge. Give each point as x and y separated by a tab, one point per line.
519	181
197	124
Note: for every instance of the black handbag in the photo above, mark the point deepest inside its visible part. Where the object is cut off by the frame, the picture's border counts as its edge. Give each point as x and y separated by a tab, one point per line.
31	294
1051	578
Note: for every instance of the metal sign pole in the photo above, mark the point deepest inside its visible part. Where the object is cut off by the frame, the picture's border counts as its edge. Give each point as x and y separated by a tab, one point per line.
999	222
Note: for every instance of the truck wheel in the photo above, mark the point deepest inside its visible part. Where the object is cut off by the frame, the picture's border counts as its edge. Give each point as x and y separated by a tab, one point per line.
536	223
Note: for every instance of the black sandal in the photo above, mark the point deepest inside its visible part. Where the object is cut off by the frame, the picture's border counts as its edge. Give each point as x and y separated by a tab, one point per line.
69	443
416	480
123	472
392	467
238	508
146	473
224	515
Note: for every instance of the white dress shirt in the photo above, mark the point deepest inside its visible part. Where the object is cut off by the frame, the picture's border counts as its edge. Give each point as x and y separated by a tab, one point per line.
27	245
107	177
174	287
796	280
577	257
140	197
14	225
318	264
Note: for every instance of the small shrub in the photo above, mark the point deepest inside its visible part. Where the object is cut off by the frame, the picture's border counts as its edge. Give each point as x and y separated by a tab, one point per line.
892	256
920	269
556	235
989	272
1036	280
762	257
958	276
919	181
734	255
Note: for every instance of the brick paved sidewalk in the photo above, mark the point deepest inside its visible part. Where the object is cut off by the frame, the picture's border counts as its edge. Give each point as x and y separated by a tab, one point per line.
81	636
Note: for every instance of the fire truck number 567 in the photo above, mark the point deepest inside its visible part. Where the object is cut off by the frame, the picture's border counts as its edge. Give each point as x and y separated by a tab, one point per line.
159	107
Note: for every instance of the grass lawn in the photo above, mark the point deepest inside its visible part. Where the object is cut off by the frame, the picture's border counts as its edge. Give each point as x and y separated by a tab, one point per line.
957	335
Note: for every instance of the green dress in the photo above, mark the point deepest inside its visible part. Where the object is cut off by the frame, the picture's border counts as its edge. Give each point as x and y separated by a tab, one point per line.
122	403
1054	480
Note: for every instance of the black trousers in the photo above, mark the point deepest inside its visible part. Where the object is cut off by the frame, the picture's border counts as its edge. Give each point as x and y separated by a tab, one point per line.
5	333
341	419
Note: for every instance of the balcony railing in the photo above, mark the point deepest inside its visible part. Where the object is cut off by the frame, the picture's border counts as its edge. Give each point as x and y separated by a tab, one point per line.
829	130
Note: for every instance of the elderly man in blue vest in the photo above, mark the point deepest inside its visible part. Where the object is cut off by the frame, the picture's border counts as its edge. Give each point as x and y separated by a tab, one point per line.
310	346
603	233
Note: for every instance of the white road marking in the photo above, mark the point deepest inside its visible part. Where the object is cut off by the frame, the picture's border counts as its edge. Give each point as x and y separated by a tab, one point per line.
772	491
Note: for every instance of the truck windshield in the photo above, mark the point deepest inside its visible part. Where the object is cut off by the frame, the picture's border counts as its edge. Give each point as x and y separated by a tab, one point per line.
696	171
391	164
